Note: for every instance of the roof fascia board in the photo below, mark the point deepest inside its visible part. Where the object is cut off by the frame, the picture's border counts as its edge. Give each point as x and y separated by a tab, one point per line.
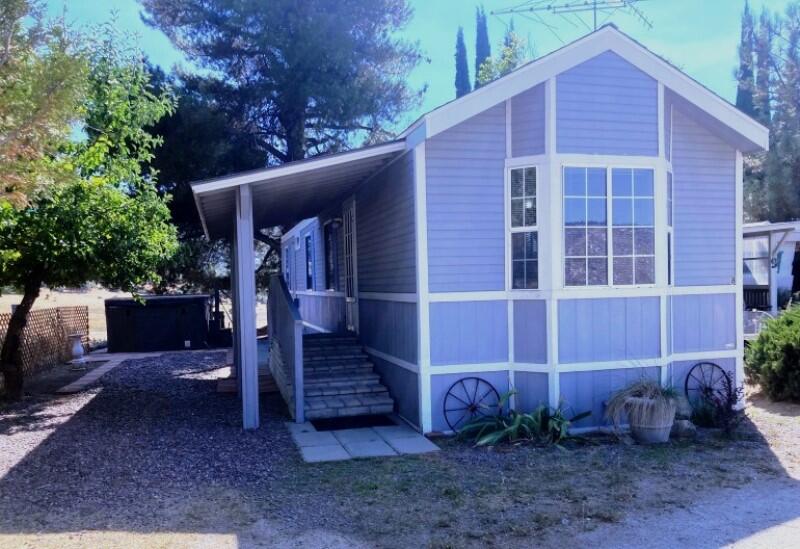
202	215
582	50
293	168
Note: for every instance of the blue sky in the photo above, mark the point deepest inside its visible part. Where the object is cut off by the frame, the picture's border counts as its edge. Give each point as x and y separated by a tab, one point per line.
699	36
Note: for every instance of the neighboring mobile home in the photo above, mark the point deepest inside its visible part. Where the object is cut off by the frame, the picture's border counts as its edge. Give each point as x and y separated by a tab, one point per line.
563	230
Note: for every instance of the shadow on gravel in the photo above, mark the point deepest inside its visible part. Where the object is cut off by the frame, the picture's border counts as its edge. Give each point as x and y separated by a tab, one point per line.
150	445
154	449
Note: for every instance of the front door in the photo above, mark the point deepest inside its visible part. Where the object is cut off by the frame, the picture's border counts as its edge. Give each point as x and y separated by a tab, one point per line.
350	265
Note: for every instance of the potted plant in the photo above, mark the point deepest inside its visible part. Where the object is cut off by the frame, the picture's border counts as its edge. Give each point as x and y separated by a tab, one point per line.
649	407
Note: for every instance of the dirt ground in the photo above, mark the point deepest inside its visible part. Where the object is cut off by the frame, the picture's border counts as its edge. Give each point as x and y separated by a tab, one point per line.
153	457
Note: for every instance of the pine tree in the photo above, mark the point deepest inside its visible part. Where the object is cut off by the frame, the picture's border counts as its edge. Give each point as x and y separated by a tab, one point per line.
763	49
782	166
483	49
462	68
744	93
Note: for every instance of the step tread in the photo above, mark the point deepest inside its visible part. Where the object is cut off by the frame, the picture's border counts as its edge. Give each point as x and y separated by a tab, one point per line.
356	389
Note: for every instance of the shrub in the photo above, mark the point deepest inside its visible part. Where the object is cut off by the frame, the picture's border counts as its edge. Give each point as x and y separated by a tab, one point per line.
722	409
773	359
544	425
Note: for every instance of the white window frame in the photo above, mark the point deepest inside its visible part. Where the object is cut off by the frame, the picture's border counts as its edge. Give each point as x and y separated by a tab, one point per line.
670	225
655	166
525	229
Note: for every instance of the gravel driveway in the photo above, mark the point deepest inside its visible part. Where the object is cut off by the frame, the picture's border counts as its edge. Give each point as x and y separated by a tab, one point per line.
154	457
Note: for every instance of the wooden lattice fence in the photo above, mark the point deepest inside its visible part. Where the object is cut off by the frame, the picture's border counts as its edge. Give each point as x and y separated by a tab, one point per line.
45	341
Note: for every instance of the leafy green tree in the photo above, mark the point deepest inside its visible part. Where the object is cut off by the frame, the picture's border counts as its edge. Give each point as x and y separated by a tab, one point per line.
309	76
510	57
106	223
42	77
462	67
744	75
483	48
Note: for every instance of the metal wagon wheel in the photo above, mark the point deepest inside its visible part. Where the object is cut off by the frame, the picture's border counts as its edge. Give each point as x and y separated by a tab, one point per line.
705	381
468	398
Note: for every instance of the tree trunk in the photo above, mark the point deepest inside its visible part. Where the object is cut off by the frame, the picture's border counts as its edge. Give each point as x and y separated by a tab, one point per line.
11	353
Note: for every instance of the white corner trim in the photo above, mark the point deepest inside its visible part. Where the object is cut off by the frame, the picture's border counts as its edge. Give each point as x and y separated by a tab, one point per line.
423	299
739	275
393	359
316	328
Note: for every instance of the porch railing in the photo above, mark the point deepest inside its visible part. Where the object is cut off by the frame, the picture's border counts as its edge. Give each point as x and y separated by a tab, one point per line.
286	345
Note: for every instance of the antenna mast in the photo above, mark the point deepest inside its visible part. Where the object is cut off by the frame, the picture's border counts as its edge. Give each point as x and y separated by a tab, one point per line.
577	7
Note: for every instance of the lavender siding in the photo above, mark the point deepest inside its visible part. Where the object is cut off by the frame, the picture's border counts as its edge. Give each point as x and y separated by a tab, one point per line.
704	173
530	331
703	322
327	312
389	327
677	371
385	230
592	330
531	390
441	383
668	129
589	391
607	106
403	385
527	122
464	173
469	332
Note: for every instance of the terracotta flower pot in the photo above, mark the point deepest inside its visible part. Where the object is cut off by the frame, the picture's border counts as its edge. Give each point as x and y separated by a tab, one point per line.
650	420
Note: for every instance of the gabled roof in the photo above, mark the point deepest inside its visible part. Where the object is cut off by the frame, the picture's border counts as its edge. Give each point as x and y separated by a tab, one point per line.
609	37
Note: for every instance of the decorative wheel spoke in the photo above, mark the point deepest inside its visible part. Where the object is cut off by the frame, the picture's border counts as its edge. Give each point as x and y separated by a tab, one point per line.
478	397
704	381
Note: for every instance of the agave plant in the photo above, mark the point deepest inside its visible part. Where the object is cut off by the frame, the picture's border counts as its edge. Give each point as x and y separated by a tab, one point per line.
544	425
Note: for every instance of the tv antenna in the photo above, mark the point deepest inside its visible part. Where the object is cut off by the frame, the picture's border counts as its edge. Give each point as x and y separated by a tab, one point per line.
573	10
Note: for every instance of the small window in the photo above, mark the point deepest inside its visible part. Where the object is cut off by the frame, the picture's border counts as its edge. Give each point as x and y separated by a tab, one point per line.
331	256
309	263
669	229
287	267
524	232
633	224
585	227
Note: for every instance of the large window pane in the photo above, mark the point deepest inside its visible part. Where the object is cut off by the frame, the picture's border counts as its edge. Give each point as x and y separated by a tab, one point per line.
585	226
633	214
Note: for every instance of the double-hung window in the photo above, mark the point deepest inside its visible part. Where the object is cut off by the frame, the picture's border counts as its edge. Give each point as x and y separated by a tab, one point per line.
599	251
524	229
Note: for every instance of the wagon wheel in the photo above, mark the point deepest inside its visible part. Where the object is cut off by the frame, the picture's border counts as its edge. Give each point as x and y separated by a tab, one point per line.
705	381
468	398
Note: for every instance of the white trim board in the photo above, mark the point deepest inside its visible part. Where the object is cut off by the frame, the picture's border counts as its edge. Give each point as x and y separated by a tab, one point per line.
392	359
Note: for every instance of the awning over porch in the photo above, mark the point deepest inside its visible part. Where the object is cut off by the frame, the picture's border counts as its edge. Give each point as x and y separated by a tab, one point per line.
285	194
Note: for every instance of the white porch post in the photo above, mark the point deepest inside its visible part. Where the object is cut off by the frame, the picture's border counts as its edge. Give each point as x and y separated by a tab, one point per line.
243	282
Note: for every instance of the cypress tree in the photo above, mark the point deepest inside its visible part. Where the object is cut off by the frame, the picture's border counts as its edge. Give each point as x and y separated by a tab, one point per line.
483	50
744	92
763	48
462	68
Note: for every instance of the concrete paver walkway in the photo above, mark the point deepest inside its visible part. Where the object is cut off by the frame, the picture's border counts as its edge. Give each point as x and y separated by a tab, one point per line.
112	360
337	445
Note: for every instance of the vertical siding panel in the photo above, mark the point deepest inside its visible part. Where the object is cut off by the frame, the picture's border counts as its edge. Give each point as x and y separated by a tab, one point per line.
704	323
607	106
705	211
596	330
464	173
389	327
530	331
469	332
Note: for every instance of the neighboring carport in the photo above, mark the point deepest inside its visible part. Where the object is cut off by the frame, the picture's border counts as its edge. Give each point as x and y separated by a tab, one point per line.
236	206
